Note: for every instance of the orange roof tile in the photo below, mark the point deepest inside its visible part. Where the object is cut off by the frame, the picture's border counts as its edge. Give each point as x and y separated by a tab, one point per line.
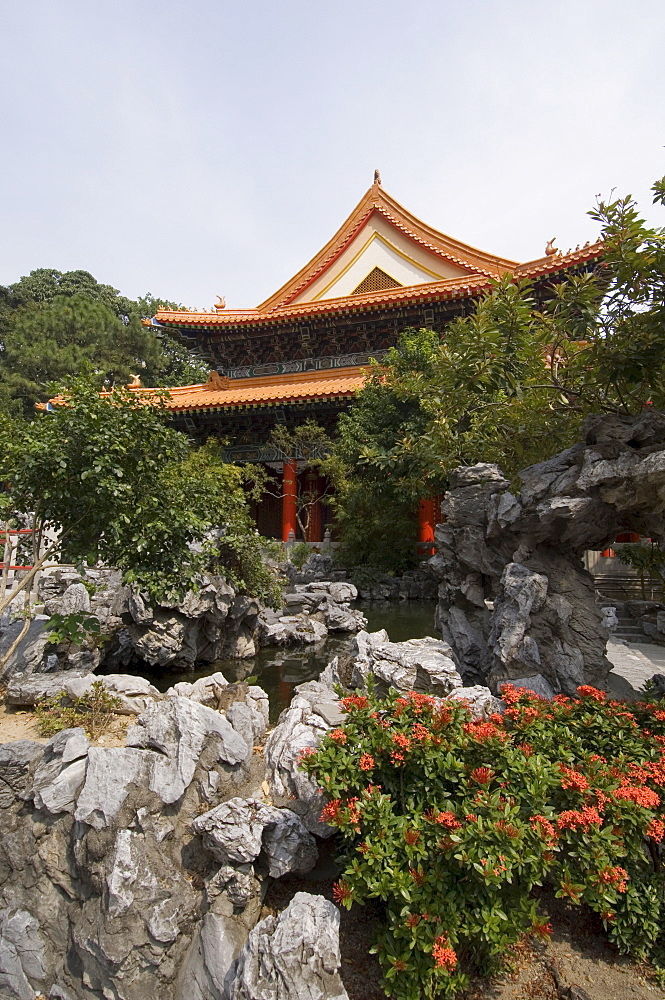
220	393
450	288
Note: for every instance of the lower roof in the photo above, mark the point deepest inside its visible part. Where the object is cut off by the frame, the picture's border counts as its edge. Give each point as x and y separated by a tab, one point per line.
220	393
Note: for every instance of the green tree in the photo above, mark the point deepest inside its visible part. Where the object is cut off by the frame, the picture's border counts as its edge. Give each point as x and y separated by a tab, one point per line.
54	325
377	472
120	486
511	383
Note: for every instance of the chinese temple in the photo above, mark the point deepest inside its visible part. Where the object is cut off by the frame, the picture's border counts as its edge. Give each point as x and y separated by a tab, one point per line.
302	354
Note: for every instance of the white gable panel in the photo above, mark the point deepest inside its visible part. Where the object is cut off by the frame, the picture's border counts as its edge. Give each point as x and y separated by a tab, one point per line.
377	253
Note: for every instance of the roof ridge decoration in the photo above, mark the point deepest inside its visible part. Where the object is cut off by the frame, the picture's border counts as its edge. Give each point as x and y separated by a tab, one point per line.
478	269
377	200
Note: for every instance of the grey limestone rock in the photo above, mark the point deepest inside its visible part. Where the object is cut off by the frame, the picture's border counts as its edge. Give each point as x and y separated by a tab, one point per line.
15	761
75	600
177	729
424	665
514	598
133	693
294	956
299	727
239	830
480	700
291	629
22	954
61	772
29	689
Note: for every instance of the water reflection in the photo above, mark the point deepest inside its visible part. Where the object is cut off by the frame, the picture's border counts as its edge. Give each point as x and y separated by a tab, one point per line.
279	669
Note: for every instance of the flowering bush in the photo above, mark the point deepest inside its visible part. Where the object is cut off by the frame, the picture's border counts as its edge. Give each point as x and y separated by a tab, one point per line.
452	822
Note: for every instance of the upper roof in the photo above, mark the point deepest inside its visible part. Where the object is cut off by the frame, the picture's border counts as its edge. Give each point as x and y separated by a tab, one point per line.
381	256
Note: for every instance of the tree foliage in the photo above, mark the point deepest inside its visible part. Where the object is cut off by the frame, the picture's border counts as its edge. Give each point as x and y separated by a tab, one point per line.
53	325
511	383
123	488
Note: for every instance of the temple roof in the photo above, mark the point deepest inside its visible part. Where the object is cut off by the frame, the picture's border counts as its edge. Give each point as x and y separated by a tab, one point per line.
220	393
381	256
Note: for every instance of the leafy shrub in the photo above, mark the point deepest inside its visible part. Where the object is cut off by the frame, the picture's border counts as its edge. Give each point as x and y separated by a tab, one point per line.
94	711
73	628
452	822
299	553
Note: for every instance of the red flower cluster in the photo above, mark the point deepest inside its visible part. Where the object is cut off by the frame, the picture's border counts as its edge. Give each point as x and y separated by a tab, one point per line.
586	691
411	837
482	731
573	779
331	812
338	736
367	762
656	829
614	875
444	956
341	891
572	819
442	718
482	775
354	701
510	694
401	741
545	828
305	753
448	819
640	796
420	733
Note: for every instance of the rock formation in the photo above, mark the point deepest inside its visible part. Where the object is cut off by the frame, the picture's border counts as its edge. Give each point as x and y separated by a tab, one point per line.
140	871
515	602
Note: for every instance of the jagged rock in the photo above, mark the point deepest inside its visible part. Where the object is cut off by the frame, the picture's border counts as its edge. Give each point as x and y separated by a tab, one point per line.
30	689
134	693
299	726
75	600
424	665
215	947
102	885
480	700
294	956
291	629
536	683
239	830
340	592
514	598
206	690
31	655
110	775
177	730
22	957
61	772
15	761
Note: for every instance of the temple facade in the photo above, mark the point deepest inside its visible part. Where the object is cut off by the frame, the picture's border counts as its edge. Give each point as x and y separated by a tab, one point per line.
303	353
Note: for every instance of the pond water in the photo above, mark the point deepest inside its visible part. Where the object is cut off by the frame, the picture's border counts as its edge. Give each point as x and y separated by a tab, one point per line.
278	669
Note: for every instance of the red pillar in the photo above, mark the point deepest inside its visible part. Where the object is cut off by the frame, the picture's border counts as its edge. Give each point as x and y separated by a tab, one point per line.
314	528
289	491
426	522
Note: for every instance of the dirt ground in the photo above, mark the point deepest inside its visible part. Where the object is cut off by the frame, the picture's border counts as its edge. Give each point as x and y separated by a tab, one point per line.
21	724
578	963
578	955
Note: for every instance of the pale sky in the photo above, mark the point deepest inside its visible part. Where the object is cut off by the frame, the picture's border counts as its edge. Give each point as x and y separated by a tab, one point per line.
210	147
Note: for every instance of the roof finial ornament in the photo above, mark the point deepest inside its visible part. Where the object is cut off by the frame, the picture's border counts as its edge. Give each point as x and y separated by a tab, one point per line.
550	249
135	383
220	303
377	177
